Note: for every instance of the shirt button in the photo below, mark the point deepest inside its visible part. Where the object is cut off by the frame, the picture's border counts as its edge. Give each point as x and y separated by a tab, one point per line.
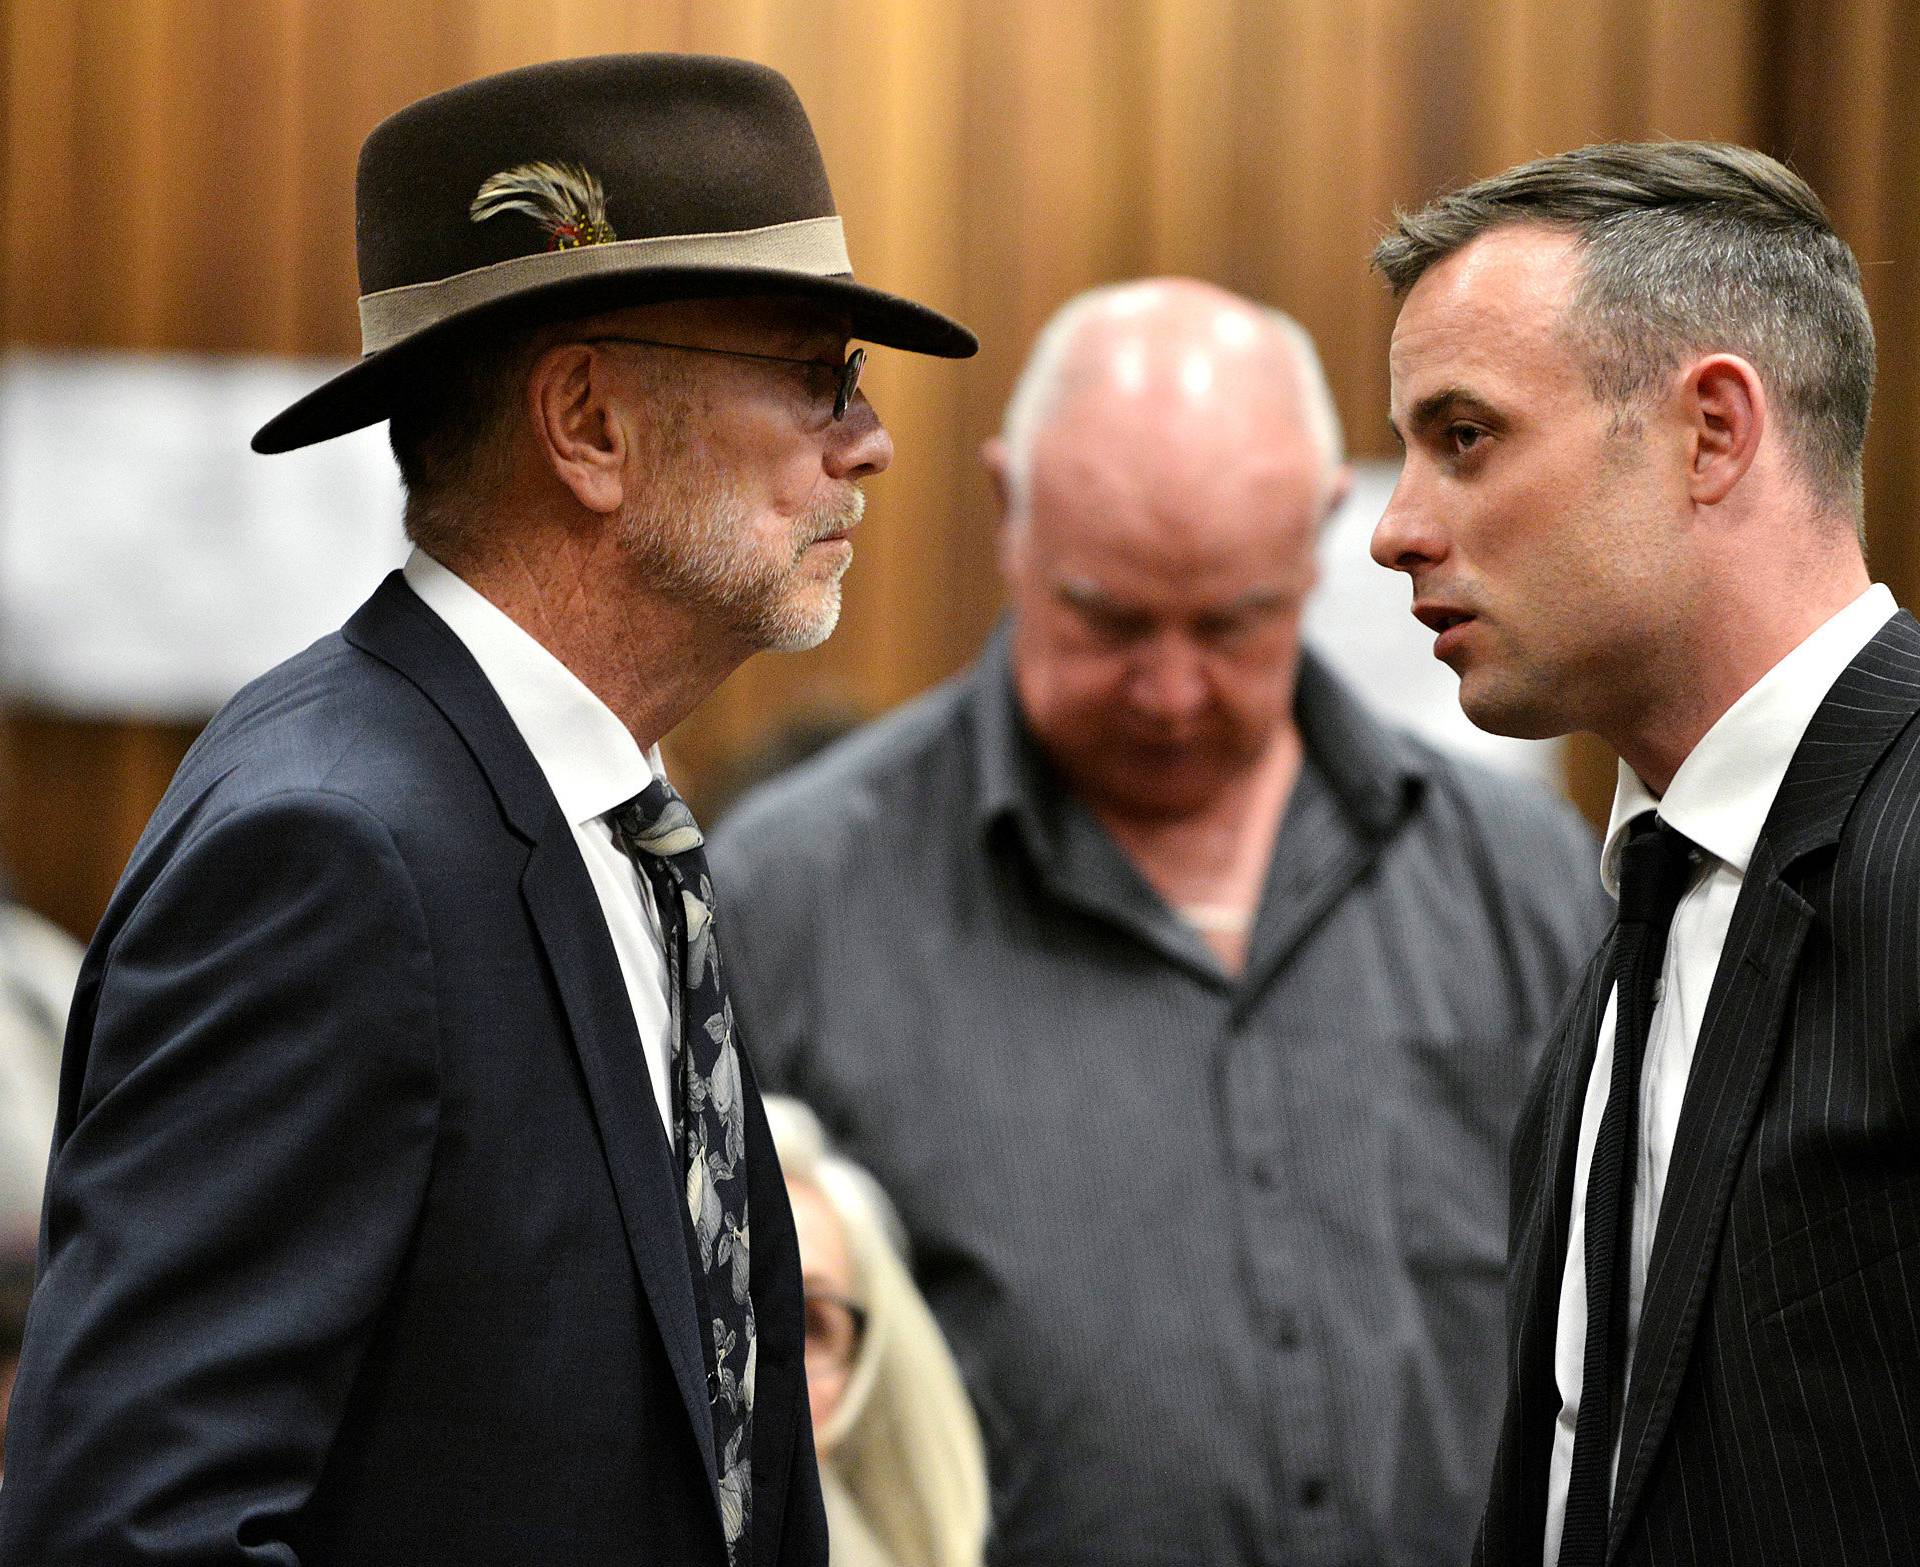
1266	1173
1313	1493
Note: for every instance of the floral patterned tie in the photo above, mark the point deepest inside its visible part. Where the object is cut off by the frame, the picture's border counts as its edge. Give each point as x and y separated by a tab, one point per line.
664	842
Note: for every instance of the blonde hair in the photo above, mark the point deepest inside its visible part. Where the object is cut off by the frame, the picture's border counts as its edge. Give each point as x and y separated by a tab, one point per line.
903	1442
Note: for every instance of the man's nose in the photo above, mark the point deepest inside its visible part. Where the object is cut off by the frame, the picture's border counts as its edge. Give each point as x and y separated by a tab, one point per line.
1168	681
1406	537
858	446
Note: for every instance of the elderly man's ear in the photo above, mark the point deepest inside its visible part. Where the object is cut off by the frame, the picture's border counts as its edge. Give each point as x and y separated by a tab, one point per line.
1337	495
995	459
578	425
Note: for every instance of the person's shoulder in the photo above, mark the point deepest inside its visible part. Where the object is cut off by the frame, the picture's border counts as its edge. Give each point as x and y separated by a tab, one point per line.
1518	835
890	777
1493	795
1452	793
1861	758
1876	839
331	721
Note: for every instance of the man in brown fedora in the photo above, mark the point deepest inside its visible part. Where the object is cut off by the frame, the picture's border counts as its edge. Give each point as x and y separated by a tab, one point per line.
411	1200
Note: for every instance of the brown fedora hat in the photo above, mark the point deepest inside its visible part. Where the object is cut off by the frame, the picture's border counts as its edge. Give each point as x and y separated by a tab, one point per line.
585	185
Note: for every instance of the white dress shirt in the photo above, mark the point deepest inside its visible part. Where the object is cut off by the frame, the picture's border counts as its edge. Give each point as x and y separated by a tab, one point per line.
1719	799
592	765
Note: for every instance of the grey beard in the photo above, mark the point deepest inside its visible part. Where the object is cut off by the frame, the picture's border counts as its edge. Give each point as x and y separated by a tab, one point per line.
698	558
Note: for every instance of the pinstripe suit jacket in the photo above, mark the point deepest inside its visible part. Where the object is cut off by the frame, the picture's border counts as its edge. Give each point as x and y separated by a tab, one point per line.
1773	1413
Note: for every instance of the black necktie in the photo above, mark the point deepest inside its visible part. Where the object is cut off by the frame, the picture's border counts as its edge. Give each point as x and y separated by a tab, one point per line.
1654	870
661	837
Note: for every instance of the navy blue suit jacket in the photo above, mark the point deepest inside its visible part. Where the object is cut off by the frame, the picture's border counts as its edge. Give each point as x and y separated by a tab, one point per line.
363	1240
1773	1413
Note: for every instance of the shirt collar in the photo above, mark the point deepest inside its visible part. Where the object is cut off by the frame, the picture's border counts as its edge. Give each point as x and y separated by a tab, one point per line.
1011	777
1724	789
591	762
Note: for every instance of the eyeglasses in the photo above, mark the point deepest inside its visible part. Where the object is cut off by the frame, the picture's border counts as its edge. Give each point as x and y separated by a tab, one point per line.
834	1328
846	377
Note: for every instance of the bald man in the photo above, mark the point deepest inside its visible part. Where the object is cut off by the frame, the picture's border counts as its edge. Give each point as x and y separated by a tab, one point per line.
1183	1008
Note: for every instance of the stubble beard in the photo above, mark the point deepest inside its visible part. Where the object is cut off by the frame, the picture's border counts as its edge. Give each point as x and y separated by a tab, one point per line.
1511	710
1521	685
691	540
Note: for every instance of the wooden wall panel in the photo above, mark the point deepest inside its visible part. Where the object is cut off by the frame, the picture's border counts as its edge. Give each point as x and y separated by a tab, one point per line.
1702	65
1893	275
178	174
74	795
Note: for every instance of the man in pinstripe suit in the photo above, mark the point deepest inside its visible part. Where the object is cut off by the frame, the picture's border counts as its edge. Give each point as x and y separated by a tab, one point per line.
1632	383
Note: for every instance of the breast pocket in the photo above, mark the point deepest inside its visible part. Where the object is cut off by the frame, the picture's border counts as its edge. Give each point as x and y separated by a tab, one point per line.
1868	1250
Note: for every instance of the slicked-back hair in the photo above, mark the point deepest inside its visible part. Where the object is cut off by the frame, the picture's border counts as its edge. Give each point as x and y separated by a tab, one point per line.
1687	248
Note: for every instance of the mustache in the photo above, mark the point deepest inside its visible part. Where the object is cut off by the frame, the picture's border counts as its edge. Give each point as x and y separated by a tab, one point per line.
833	514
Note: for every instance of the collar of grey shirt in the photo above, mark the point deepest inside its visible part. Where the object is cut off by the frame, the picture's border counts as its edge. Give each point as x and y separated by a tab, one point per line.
1359	783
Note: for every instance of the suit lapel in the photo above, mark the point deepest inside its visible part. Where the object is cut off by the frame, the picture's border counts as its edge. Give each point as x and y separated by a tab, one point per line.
1731	1064
397	628
613	1063
1874	698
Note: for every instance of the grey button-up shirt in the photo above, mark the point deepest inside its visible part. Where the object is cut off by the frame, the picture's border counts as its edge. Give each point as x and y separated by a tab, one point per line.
1221	1257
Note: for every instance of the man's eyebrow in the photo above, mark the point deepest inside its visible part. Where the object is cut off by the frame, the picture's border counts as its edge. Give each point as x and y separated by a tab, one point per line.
804	338
1082	594
821	343
1253	601
1448	401
1088	595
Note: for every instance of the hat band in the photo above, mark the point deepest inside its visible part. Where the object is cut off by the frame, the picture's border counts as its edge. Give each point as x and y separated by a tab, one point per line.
816	247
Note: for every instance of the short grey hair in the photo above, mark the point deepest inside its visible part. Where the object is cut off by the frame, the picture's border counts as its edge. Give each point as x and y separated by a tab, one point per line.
452	438
1052	373
1687	248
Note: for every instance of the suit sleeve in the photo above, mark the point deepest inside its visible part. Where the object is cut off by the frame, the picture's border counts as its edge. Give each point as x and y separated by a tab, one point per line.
245	1135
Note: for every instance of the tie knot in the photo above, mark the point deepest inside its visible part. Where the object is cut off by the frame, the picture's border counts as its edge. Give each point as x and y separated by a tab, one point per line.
656	821
1656	863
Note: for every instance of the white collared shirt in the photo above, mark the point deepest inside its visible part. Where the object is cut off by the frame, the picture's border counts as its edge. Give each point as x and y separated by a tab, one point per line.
592	765
1719	799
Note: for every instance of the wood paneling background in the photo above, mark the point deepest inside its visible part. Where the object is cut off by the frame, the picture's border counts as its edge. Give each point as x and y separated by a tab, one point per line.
178	175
